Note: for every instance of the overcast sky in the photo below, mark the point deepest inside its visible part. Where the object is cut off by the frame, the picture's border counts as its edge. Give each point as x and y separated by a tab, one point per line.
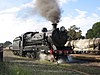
20	16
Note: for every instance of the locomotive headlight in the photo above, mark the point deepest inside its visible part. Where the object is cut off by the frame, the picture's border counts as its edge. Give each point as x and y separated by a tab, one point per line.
62	28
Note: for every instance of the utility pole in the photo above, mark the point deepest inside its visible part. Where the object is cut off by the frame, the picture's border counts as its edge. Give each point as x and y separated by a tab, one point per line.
1	52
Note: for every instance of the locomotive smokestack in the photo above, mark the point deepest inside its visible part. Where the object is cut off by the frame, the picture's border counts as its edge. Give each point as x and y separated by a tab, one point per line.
54	25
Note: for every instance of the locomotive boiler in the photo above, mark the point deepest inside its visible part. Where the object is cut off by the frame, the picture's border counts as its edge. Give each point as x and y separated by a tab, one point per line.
31	44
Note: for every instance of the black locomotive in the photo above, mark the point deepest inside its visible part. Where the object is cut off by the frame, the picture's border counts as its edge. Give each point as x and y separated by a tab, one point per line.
49	42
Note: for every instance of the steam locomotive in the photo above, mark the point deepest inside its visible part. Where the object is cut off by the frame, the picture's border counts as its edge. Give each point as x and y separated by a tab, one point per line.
31	44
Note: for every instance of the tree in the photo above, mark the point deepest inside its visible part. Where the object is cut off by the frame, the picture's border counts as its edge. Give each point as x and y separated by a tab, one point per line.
94	32
90	34
96	29
7	43
74	33
78	34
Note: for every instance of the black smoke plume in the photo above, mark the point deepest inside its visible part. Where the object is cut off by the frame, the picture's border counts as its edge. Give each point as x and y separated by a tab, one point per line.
49	9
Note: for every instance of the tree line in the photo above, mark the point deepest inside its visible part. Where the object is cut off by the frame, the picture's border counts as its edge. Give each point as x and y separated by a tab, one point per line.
94	32
75	33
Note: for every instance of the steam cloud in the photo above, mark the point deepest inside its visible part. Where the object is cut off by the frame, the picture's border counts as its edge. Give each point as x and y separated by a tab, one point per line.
49	9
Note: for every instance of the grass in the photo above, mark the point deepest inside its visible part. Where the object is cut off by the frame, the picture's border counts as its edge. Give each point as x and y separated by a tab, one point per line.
13	69
46	68
29	69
